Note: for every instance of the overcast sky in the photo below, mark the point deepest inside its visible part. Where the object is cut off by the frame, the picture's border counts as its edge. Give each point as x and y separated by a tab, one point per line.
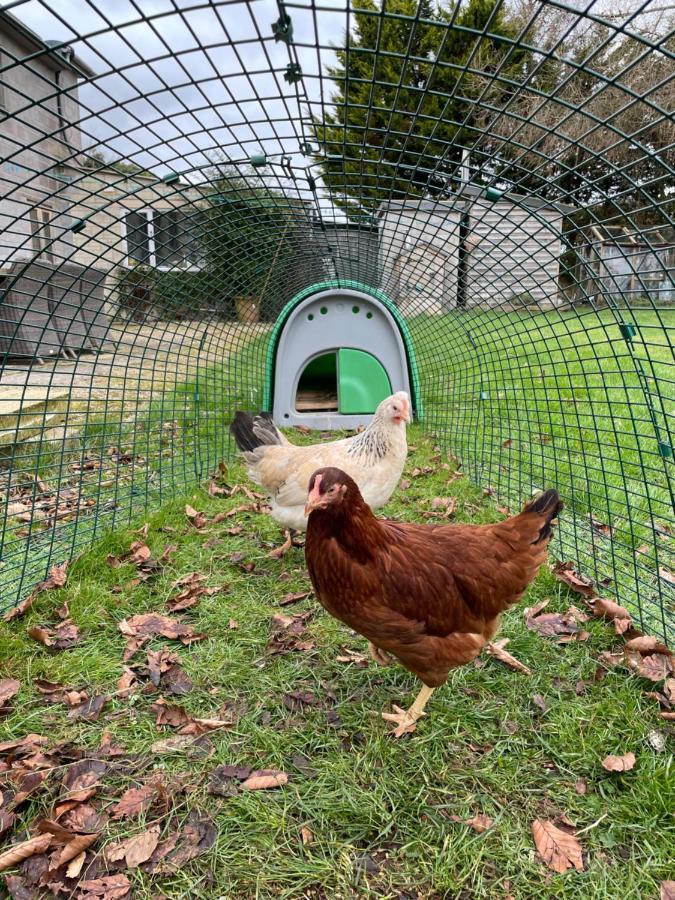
170	71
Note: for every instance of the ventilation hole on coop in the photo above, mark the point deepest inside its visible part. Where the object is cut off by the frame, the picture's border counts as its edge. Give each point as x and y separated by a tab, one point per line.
317	387
369	315
356	310
310	317
324	310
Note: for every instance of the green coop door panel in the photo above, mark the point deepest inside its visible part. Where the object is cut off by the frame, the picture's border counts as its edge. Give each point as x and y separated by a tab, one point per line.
362	382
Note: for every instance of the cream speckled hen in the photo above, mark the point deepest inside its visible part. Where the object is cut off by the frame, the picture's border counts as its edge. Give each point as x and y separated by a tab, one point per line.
374	459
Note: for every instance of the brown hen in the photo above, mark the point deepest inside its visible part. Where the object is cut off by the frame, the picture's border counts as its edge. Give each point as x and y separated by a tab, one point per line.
430	595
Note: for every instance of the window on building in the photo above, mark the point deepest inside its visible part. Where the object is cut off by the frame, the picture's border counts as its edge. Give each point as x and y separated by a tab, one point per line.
162	238
41	231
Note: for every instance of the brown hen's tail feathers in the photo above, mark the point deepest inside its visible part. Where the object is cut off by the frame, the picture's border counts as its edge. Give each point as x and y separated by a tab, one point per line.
250	432
547	505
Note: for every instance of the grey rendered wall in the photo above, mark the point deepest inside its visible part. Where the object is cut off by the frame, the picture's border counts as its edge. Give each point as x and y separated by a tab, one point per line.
514	254
408	236
26	153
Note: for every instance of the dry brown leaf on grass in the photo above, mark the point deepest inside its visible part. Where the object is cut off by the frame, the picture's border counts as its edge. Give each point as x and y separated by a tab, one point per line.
287	633
109	887
655	667
667	890
288	599
135	801
608	609
283	549
559	850
480	822
9	688
72	849
264	779
496	649
306	835
16	854
134	850
90	709
619	763
565	572
82	779
197	519
351	656
666	575
57	578
65	635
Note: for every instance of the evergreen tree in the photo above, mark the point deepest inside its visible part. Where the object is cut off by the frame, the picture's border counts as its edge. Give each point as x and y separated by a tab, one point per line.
403	107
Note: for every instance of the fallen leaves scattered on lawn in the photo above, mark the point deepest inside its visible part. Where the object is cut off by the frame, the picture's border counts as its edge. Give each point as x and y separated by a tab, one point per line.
443	507
559	849
140	628
666	575
619	763
192	588
563	626
496	649
197	836
139	555
57	578
62	637
287	632
175	716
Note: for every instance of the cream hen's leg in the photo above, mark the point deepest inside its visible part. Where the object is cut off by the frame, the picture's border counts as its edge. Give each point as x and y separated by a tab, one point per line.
379	656
405	719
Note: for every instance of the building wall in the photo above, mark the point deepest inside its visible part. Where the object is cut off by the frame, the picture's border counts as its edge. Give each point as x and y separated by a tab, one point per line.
632	272
104	198
513	254
419	255
33	144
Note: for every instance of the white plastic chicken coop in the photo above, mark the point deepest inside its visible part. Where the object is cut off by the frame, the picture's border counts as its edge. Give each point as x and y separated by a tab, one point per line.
335	353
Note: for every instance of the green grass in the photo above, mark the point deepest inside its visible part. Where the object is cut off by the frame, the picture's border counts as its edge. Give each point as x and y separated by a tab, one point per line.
380	810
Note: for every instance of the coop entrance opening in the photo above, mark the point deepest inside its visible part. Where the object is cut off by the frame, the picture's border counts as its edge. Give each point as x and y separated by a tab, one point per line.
347	381
318	385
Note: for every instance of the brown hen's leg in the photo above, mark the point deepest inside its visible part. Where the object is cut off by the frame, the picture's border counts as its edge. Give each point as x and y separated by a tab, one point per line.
379	656
405	719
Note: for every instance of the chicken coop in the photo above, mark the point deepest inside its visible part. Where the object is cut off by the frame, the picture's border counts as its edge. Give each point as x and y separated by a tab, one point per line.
300	207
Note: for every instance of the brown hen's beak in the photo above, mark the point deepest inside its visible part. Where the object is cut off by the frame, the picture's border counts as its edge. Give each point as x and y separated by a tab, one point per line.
314	498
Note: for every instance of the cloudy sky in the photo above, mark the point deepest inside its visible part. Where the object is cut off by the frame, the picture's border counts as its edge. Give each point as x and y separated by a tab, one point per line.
181	80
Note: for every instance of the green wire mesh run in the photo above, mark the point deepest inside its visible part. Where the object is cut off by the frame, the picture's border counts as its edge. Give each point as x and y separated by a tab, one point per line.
173	173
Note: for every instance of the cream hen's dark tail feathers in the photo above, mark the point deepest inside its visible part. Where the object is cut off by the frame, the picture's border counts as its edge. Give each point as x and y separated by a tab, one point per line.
251	432
546	505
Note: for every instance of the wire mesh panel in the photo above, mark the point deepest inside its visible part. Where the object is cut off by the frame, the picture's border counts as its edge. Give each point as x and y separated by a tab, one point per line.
173	174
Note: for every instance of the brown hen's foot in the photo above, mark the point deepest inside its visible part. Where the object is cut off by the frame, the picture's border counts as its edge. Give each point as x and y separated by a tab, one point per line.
282	550
405	722
406	719
379	656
